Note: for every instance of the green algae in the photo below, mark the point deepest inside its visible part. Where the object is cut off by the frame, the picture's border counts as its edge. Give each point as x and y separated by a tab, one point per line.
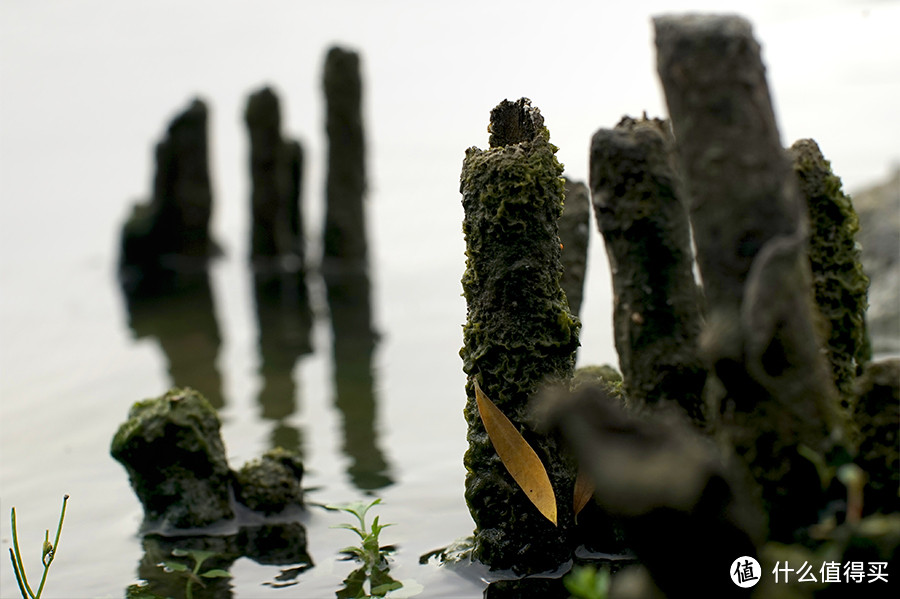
876	411
519	331
839	283
173	452
271	483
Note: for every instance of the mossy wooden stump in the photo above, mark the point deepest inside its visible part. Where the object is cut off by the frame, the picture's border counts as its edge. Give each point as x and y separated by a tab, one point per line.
172	449
656	302
170	232
276	171
839	283
175	460
519	331
751	233
344	236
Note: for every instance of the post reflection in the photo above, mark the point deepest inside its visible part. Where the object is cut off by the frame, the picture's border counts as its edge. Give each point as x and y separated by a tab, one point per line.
165	569
284	320
176	310
354	342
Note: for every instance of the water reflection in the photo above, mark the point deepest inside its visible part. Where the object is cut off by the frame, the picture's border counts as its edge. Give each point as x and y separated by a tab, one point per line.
284	319
170	564
379	582
354	341
176	310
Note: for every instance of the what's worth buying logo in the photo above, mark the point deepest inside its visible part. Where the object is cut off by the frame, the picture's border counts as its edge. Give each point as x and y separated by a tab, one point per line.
746	572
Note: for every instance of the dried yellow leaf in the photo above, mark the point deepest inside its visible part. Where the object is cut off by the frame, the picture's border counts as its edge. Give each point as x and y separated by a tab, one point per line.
584	489
517	455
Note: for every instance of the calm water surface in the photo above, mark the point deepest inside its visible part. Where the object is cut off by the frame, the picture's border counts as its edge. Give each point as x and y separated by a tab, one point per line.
88	87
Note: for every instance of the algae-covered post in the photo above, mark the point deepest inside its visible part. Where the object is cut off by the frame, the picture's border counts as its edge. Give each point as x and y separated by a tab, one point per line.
175	222
275	163
283	308
839	282
292	158
656	305
876	411
750	232
519	331
574	235
345	225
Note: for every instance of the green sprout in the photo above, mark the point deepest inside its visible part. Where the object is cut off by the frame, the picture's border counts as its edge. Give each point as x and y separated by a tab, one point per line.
587	582
48	552
369	553
193	574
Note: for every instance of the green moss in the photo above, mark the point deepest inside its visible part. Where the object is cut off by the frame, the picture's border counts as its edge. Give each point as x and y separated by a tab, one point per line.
175	458
604	376
877	412
839	283
271	483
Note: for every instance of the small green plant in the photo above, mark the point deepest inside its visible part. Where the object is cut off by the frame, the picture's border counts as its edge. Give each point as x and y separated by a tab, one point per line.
587	582
48	552
369	550
372	556
193	574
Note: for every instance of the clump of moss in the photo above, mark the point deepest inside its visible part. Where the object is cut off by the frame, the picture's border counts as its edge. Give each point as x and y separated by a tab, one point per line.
604	376
175	458
877	412
839	283
271	483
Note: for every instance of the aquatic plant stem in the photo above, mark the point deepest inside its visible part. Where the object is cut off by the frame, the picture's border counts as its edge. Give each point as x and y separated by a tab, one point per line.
16	556
52	553
48	553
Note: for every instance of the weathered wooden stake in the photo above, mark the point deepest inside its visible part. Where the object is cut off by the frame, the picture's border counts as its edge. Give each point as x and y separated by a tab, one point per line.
519	331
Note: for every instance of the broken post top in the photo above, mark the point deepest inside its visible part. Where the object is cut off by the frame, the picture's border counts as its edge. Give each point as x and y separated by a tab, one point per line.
701	28
263	109
515	122
638	147
194	116
342	78
653	128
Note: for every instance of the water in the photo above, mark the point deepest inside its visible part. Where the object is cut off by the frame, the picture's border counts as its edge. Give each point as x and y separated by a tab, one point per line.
88	87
